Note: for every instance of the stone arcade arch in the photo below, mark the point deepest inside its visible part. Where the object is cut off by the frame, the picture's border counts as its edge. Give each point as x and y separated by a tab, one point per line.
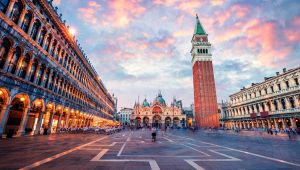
156	122
19	109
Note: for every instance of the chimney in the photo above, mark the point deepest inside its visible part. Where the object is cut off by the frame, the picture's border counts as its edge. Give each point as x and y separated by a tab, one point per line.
284	70
277	73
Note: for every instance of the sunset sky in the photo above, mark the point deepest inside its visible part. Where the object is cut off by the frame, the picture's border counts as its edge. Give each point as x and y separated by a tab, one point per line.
139	47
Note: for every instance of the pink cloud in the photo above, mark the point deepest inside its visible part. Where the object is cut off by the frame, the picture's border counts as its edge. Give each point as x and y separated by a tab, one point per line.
123	12
88	14
217	2
293	33
272	46
235	11
164	43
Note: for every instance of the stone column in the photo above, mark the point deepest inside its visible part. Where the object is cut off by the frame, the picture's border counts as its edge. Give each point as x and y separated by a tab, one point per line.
252	122
276	124
43	77
269	123
293	123
29	68
39	123
38	33
21	18
50	45
44	40
21	130
10	7
263	123
3	118
49	78
59	122
36	72
50	122
30	26
19	64
283	123
67	119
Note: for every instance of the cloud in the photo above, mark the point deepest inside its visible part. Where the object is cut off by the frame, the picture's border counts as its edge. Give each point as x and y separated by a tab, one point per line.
56	2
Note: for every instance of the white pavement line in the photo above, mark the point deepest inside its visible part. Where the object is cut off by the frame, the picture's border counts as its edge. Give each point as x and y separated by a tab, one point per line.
41	162
163	156
99	156
121	150
257	155
231	158
153	163
112	144
201	146
168	139
250	153
195	150
193	164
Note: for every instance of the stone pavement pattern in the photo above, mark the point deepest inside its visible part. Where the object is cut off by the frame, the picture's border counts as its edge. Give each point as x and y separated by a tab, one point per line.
176	149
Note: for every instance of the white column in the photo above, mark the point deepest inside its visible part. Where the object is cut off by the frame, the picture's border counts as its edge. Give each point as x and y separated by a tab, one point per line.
59	122
21	19
39	123
3	117
293	123
50	122
21	130
276	124
10	7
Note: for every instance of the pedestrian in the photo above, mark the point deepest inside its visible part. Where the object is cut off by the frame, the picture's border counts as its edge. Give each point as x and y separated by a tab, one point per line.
153	134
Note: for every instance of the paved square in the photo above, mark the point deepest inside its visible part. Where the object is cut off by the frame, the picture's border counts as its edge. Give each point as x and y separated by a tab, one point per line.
177	149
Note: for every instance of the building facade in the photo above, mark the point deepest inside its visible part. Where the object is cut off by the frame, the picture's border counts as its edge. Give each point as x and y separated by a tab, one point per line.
124	116
205	99
46	80
273	103
158	114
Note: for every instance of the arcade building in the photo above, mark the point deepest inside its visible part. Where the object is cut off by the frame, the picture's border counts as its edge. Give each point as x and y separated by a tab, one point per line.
273	103
46	80
158	114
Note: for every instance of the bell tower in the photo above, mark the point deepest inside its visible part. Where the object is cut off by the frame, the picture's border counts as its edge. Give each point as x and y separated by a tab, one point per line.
205	99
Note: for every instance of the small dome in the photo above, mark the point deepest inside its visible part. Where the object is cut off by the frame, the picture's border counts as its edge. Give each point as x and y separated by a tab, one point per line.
145	103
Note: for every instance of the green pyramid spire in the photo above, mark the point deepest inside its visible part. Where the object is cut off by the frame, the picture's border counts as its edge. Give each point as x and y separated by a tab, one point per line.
198	27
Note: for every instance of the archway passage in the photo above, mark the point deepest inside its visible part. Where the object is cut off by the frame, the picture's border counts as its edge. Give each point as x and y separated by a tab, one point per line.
156	121
176	122
138	122
146	121
15	116
156	110
168	122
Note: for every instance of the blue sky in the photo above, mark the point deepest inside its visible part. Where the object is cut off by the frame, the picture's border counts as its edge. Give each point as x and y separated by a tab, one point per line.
139	47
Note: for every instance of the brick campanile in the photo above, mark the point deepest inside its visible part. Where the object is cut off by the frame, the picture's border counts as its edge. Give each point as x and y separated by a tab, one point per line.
205	99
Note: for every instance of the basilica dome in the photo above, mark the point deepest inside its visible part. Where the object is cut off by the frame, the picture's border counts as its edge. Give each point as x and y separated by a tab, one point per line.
159	99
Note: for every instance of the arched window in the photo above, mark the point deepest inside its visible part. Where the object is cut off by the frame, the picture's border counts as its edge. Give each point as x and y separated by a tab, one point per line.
65	61
292	102
16	11
61	58
47	78
41	38
53	47
40	73
33	69
35	28
276	104
4	5
14	60
47	43
24	66
26	22
57	53
4	49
